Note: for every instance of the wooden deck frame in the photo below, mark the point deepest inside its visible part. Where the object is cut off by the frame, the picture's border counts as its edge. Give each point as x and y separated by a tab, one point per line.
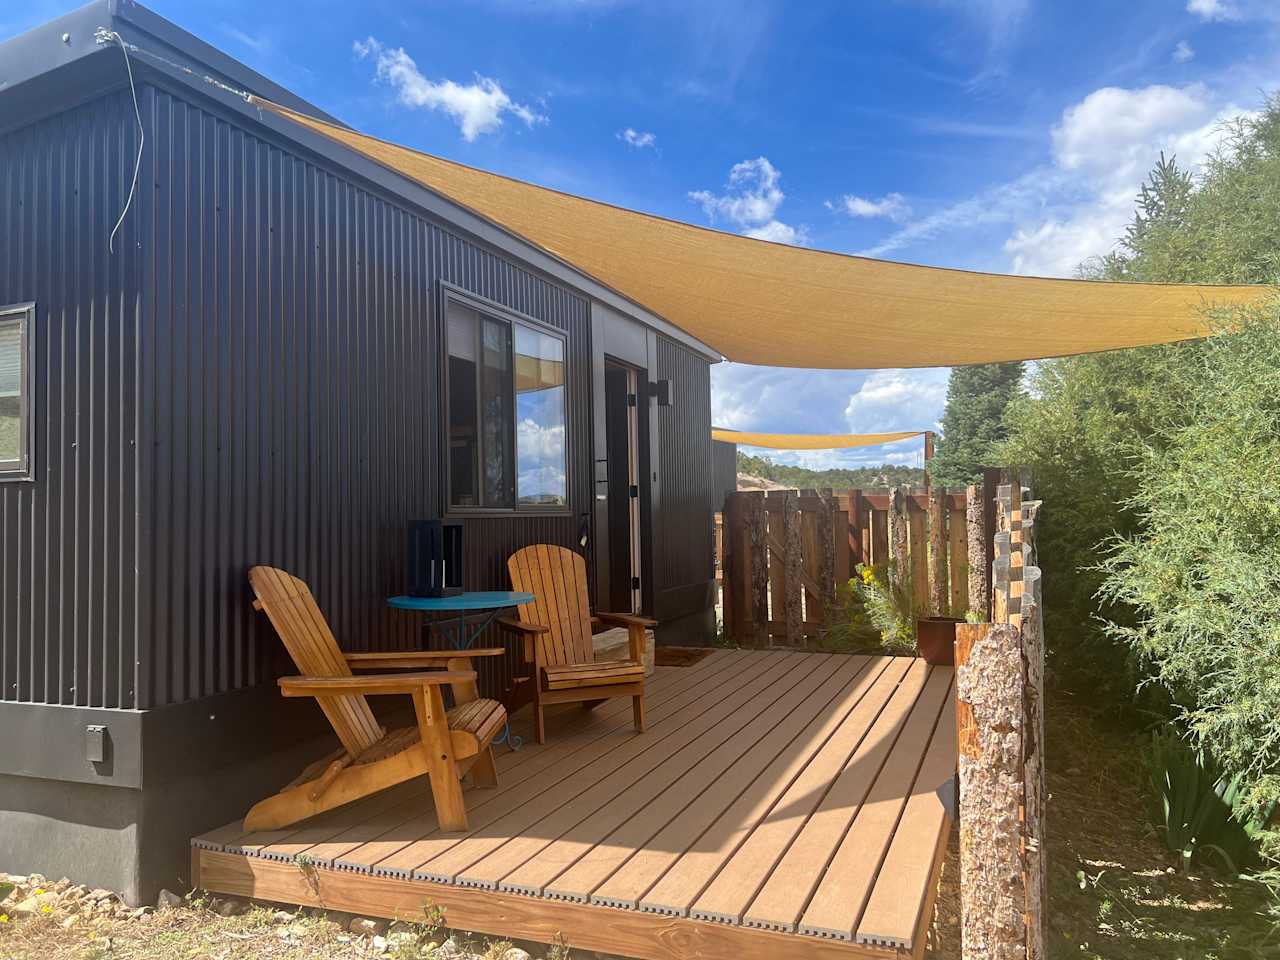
804	789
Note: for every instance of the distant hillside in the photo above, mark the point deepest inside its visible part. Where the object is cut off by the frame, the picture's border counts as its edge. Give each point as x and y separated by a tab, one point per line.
761	473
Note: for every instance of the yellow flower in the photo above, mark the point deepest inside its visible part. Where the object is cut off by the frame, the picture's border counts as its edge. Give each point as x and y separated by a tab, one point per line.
46	909
38	891
4	918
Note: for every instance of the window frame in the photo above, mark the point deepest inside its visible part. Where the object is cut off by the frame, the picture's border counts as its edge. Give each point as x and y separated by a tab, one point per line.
23	469
452	293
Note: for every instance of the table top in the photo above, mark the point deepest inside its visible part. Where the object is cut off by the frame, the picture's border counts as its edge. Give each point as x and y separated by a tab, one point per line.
475	600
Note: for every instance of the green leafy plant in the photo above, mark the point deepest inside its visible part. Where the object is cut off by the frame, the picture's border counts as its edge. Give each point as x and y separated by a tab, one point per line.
1198	805
886	602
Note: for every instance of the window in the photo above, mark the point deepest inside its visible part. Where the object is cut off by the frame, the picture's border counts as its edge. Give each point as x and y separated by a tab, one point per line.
15	399
506	398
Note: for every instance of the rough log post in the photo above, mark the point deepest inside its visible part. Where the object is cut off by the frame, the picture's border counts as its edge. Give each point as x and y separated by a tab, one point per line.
1033	652
958	559
728	525
791	561
880	551
857	517
979	561
938	551
989	487
827	550
992	886
901	571
919	557
758	539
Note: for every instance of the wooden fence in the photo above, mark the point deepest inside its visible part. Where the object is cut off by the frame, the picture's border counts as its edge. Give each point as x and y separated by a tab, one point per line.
781	554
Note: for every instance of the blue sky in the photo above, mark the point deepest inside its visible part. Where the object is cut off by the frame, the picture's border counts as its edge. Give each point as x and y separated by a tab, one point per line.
1005	135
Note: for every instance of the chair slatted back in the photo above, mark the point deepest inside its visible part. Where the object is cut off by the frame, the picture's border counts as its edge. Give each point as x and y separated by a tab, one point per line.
557	577
293	612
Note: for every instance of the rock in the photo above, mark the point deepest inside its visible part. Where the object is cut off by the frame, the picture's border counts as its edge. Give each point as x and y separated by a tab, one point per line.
367	927
398	938
282	916
380	944
515	953
36	904
100	894
139	912
229	908
168	900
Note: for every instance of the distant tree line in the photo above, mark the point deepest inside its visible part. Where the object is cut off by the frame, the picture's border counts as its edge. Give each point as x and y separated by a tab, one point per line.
861	478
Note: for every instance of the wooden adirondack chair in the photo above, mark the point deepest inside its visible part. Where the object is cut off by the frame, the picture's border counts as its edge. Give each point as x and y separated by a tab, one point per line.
443	745
556	629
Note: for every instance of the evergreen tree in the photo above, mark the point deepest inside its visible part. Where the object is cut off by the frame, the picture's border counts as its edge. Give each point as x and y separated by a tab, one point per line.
973	422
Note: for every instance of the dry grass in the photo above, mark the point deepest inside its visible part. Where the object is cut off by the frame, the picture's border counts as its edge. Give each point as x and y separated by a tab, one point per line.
1114	890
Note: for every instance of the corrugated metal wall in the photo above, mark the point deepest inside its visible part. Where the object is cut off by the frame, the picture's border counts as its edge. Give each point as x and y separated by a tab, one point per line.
683	535
68	613
293	372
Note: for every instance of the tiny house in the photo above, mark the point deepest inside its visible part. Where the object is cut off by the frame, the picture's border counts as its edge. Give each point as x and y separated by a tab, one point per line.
272	349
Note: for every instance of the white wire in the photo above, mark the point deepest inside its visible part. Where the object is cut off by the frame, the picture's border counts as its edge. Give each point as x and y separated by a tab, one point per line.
142	139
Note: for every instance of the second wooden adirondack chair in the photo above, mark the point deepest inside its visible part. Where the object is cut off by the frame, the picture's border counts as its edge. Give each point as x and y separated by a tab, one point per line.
557	636
443	744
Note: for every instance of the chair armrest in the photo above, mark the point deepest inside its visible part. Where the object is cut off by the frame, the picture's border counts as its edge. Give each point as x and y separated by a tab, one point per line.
414	658
625	619
531	629
370	684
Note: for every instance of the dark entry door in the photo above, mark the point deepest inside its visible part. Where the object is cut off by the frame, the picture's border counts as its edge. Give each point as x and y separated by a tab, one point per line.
621	449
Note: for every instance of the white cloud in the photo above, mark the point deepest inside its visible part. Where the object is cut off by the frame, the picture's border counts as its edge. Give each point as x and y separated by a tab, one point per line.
891	206
898	400
752	196
1183	52
476	107
1213	9
1076	206
778	232
634	138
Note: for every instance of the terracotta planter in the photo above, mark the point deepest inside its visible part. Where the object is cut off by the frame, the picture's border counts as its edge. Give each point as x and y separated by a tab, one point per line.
936	640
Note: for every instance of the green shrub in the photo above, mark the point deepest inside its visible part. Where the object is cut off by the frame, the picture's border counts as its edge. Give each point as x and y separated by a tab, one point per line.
1201	574
871	616
1197	805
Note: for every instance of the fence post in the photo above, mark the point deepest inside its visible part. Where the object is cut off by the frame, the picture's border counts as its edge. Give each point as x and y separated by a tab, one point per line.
957	555
827	539
794	605
990	725
857	516
937	550
898	537
758	538
979	559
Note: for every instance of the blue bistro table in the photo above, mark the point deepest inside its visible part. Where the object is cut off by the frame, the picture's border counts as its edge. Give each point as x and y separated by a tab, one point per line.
462	618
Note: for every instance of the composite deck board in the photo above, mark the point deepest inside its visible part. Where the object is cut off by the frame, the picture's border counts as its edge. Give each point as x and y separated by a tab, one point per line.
690	768
424	856
617	769
782	900
277	842
671	889
412	796
697	791
771	787
837	905
893	913
395	850
733	889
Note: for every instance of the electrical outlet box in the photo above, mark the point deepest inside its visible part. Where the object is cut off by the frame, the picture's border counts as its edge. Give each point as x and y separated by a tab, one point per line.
95	743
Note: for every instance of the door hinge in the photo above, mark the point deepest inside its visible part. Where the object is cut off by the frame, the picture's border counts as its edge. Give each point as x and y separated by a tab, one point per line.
633	492
631	400
635	583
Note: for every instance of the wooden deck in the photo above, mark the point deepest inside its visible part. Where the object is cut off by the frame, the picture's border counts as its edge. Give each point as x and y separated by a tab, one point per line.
780	805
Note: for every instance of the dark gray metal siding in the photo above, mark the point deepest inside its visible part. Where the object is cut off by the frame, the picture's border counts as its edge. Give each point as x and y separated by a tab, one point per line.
291	361
68	541
683	536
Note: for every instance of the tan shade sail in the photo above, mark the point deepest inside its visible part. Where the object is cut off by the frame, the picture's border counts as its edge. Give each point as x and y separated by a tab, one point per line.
778	305
810	441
